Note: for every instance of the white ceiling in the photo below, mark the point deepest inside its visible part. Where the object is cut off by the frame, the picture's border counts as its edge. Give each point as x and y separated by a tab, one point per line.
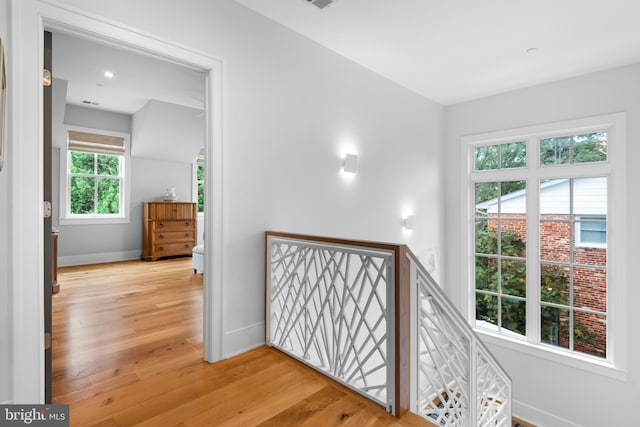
138	77
456	50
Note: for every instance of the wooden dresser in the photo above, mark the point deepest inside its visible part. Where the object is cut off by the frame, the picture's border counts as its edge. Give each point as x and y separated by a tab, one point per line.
168	229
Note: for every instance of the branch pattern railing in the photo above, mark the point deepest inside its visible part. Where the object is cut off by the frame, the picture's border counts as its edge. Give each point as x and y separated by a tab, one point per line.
458	382
331	306
342	307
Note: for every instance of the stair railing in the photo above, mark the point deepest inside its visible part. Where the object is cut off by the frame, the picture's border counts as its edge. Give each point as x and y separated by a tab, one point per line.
331	305
370	316
457	382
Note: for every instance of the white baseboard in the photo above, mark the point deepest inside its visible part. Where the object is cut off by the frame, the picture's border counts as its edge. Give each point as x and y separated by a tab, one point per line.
98	258
244	339
539	417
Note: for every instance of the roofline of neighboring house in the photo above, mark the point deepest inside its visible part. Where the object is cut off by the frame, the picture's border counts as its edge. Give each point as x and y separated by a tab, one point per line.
519	193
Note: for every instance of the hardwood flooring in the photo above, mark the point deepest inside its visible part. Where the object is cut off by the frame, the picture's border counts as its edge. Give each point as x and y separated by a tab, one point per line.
127	350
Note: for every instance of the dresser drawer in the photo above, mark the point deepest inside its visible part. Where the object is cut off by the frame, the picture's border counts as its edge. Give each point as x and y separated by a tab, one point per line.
173	236
168	226
168	229
169	249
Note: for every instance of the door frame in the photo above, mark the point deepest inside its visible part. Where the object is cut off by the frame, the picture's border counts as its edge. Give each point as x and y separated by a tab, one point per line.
29	19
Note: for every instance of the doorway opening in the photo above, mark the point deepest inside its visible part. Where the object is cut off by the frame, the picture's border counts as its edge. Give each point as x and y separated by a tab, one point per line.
69	22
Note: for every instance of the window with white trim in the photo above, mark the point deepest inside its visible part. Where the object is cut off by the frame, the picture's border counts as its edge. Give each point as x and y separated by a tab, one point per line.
541	260
198	182
93	176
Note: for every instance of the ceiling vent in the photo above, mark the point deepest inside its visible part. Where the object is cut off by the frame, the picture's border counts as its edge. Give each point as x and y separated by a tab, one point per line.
321	4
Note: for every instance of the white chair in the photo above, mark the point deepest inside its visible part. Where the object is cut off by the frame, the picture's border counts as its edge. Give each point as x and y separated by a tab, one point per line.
197	259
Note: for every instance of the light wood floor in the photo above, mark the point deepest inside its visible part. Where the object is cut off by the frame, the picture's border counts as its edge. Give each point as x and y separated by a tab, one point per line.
128	351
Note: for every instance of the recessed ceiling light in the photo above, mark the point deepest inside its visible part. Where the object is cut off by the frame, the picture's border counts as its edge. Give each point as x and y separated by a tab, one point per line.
532	50
109	74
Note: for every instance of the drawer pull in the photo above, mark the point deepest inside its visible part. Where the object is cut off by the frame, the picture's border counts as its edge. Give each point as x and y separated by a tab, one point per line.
186	234
160	248
161	236
161	224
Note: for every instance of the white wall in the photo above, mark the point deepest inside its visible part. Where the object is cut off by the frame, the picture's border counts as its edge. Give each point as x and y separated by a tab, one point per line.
5	231
548	393
290	107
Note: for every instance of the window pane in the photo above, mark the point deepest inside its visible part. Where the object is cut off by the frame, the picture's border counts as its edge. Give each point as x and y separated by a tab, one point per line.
513	155
486	158
514	315
82	162
486	196
554	151
486	239
487	308
590	334
555	198
514	277
554	326
82	195
512	238
200	172
591	147
108	165
200	197
555	284
590	196
513	196
590	255
590	288
486	273
108	196
555	239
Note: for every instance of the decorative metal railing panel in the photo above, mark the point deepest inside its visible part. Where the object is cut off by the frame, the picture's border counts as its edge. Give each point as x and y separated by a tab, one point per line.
494	393
330	306
452	364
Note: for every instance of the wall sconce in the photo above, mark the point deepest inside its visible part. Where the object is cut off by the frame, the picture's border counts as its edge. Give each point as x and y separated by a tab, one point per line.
408	222
350	163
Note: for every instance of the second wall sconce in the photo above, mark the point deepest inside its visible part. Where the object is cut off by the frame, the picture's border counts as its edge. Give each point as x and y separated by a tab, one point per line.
350	163
408	222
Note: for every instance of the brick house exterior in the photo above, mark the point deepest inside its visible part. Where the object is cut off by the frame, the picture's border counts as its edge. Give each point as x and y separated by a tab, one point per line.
587	272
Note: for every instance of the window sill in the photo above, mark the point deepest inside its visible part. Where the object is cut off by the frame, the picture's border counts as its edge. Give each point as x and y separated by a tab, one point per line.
93	221
556	355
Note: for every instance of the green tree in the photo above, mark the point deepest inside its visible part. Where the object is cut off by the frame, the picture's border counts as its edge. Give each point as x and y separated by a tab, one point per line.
200	180
553	289
589	147
95	183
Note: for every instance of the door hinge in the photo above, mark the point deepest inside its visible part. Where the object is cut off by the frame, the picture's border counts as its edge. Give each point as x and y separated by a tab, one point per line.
47	209
46	78
47	340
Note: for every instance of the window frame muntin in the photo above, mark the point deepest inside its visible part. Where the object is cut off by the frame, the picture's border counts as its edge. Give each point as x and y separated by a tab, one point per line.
615	125
65	217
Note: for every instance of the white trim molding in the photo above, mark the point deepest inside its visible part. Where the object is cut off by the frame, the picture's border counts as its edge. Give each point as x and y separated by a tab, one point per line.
98	258
244	339
29	19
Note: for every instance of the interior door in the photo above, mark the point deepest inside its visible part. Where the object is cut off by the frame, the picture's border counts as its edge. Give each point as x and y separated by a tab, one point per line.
48	265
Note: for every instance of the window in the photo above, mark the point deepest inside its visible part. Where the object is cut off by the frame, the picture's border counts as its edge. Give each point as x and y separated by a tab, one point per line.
93	177
592	230
541	252
198	182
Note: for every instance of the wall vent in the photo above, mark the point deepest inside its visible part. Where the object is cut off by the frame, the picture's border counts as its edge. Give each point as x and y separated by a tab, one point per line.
321	4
